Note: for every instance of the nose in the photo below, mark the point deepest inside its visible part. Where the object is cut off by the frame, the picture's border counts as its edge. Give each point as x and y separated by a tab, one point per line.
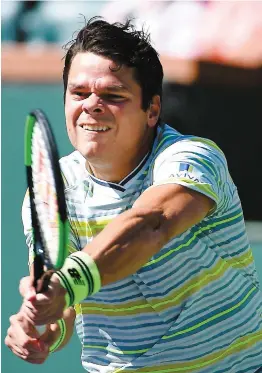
92	104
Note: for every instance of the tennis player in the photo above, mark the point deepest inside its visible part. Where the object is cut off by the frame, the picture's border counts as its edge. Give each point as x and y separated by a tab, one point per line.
160	276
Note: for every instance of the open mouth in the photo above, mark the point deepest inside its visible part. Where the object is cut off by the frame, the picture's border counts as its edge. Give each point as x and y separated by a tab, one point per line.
94	128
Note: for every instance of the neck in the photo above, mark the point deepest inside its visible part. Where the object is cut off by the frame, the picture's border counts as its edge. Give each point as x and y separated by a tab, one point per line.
113	172
116	169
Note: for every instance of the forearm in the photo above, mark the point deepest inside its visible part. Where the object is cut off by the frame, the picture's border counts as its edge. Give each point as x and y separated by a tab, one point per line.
127	243
132	238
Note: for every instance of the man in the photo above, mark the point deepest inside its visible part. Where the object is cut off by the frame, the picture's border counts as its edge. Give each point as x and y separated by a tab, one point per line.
165	275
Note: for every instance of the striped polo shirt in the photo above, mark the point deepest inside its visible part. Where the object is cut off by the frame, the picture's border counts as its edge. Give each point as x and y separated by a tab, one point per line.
196	305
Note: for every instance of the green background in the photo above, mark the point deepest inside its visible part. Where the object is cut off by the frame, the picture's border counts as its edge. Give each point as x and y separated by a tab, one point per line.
17	101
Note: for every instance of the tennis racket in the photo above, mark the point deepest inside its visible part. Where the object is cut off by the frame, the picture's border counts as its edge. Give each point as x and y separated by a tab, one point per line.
47	200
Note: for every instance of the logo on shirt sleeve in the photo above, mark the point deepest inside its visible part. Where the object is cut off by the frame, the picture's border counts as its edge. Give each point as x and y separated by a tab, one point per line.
185	167
185	171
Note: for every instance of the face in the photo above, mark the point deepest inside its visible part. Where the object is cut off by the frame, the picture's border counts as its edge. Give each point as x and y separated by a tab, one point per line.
104	118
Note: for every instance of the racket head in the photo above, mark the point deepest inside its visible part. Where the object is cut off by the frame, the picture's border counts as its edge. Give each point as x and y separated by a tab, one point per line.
46	193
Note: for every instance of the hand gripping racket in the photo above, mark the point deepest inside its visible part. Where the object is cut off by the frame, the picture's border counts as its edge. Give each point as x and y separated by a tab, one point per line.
47	200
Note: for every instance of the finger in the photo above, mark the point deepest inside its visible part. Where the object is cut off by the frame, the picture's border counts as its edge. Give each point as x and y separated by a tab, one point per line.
32	313
54	292
26	287
23	334
35	313
40	316
17	350
34	357
25	344
9	343
44	298
39	357
20	352
28	311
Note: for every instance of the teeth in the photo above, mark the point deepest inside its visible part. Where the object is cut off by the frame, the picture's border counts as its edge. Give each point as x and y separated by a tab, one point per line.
95	128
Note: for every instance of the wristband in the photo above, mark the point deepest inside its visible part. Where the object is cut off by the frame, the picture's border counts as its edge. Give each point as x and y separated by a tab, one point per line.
79	276
61	338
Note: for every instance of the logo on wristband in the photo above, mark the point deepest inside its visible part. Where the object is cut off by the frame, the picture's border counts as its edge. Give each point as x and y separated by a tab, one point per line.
75	275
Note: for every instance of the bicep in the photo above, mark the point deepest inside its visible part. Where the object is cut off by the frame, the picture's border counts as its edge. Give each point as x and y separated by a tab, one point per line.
179	206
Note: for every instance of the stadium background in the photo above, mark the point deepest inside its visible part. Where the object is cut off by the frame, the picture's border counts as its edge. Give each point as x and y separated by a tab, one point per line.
217	106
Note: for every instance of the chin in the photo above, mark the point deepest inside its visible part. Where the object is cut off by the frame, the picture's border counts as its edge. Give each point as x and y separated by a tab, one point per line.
89	154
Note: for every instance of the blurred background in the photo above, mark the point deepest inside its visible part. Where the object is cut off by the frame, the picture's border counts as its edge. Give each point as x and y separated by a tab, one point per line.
212	58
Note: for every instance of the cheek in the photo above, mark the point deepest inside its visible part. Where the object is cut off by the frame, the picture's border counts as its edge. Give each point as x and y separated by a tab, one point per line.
126	114
72	135
71	130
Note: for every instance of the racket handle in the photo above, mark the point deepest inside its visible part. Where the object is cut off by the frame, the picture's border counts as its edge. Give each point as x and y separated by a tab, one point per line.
41	329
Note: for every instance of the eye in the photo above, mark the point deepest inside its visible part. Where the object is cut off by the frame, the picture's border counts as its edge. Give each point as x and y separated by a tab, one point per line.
112	97
79	93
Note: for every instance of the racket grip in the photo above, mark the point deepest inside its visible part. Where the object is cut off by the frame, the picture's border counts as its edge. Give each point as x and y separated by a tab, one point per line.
41	329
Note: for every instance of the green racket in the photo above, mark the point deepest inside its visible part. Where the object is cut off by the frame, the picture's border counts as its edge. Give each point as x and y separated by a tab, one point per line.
47	199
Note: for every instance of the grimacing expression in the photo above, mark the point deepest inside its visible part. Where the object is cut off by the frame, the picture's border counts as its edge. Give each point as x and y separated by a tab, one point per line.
104	117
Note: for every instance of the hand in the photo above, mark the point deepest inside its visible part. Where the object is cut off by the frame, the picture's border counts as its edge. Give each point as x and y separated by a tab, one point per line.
43	308
22	339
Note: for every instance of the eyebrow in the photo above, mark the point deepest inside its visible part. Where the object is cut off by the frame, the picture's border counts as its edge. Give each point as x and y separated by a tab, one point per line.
111	87
116	88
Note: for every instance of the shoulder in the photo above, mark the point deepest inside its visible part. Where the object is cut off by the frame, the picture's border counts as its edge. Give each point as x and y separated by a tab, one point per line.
175	145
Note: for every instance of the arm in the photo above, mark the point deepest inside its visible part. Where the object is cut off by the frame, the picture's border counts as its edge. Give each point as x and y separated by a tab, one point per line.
129	241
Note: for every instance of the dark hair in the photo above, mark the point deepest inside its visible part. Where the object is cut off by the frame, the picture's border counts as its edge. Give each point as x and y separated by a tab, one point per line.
125	46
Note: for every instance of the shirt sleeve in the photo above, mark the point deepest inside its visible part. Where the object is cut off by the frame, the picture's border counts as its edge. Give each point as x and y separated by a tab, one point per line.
198	164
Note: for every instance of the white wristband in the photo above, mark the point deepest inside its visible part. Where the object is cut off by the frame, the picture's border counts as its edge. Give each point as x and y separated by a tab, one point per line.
79	276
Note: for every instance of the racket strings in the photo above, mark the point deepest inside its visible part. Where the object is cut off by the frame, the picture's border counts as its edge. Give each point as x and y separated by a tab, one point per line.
45	195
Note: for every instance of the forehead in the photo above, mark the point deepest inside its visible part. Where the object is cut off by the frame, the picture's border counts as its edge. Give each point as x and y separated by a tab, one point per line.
88	69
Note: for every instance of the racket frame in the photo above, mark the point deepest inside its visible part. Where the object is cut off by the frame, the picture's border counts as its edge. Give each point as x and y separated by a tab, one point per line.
42	258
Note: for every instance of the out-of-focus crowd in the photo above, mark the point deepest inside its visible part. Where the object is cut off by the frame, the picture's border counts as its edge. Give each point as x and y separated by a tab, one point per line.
222	31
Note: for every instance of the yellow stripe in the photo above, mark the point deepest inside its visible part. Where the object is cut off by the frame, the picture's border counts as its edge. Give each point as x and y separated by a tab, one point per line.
241	261
175	298
119	352
90	228
241	344
77	308
71	249
193	286
207	227
115	310
214	317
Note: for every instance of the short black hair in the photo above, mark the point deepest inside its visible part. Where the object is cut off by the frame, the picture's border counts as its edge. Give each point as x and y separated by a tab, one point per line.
124	45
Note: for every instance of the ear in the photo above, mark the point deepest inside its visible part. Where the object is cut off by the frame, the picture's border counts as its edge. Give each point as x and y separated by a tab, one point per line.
153	111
